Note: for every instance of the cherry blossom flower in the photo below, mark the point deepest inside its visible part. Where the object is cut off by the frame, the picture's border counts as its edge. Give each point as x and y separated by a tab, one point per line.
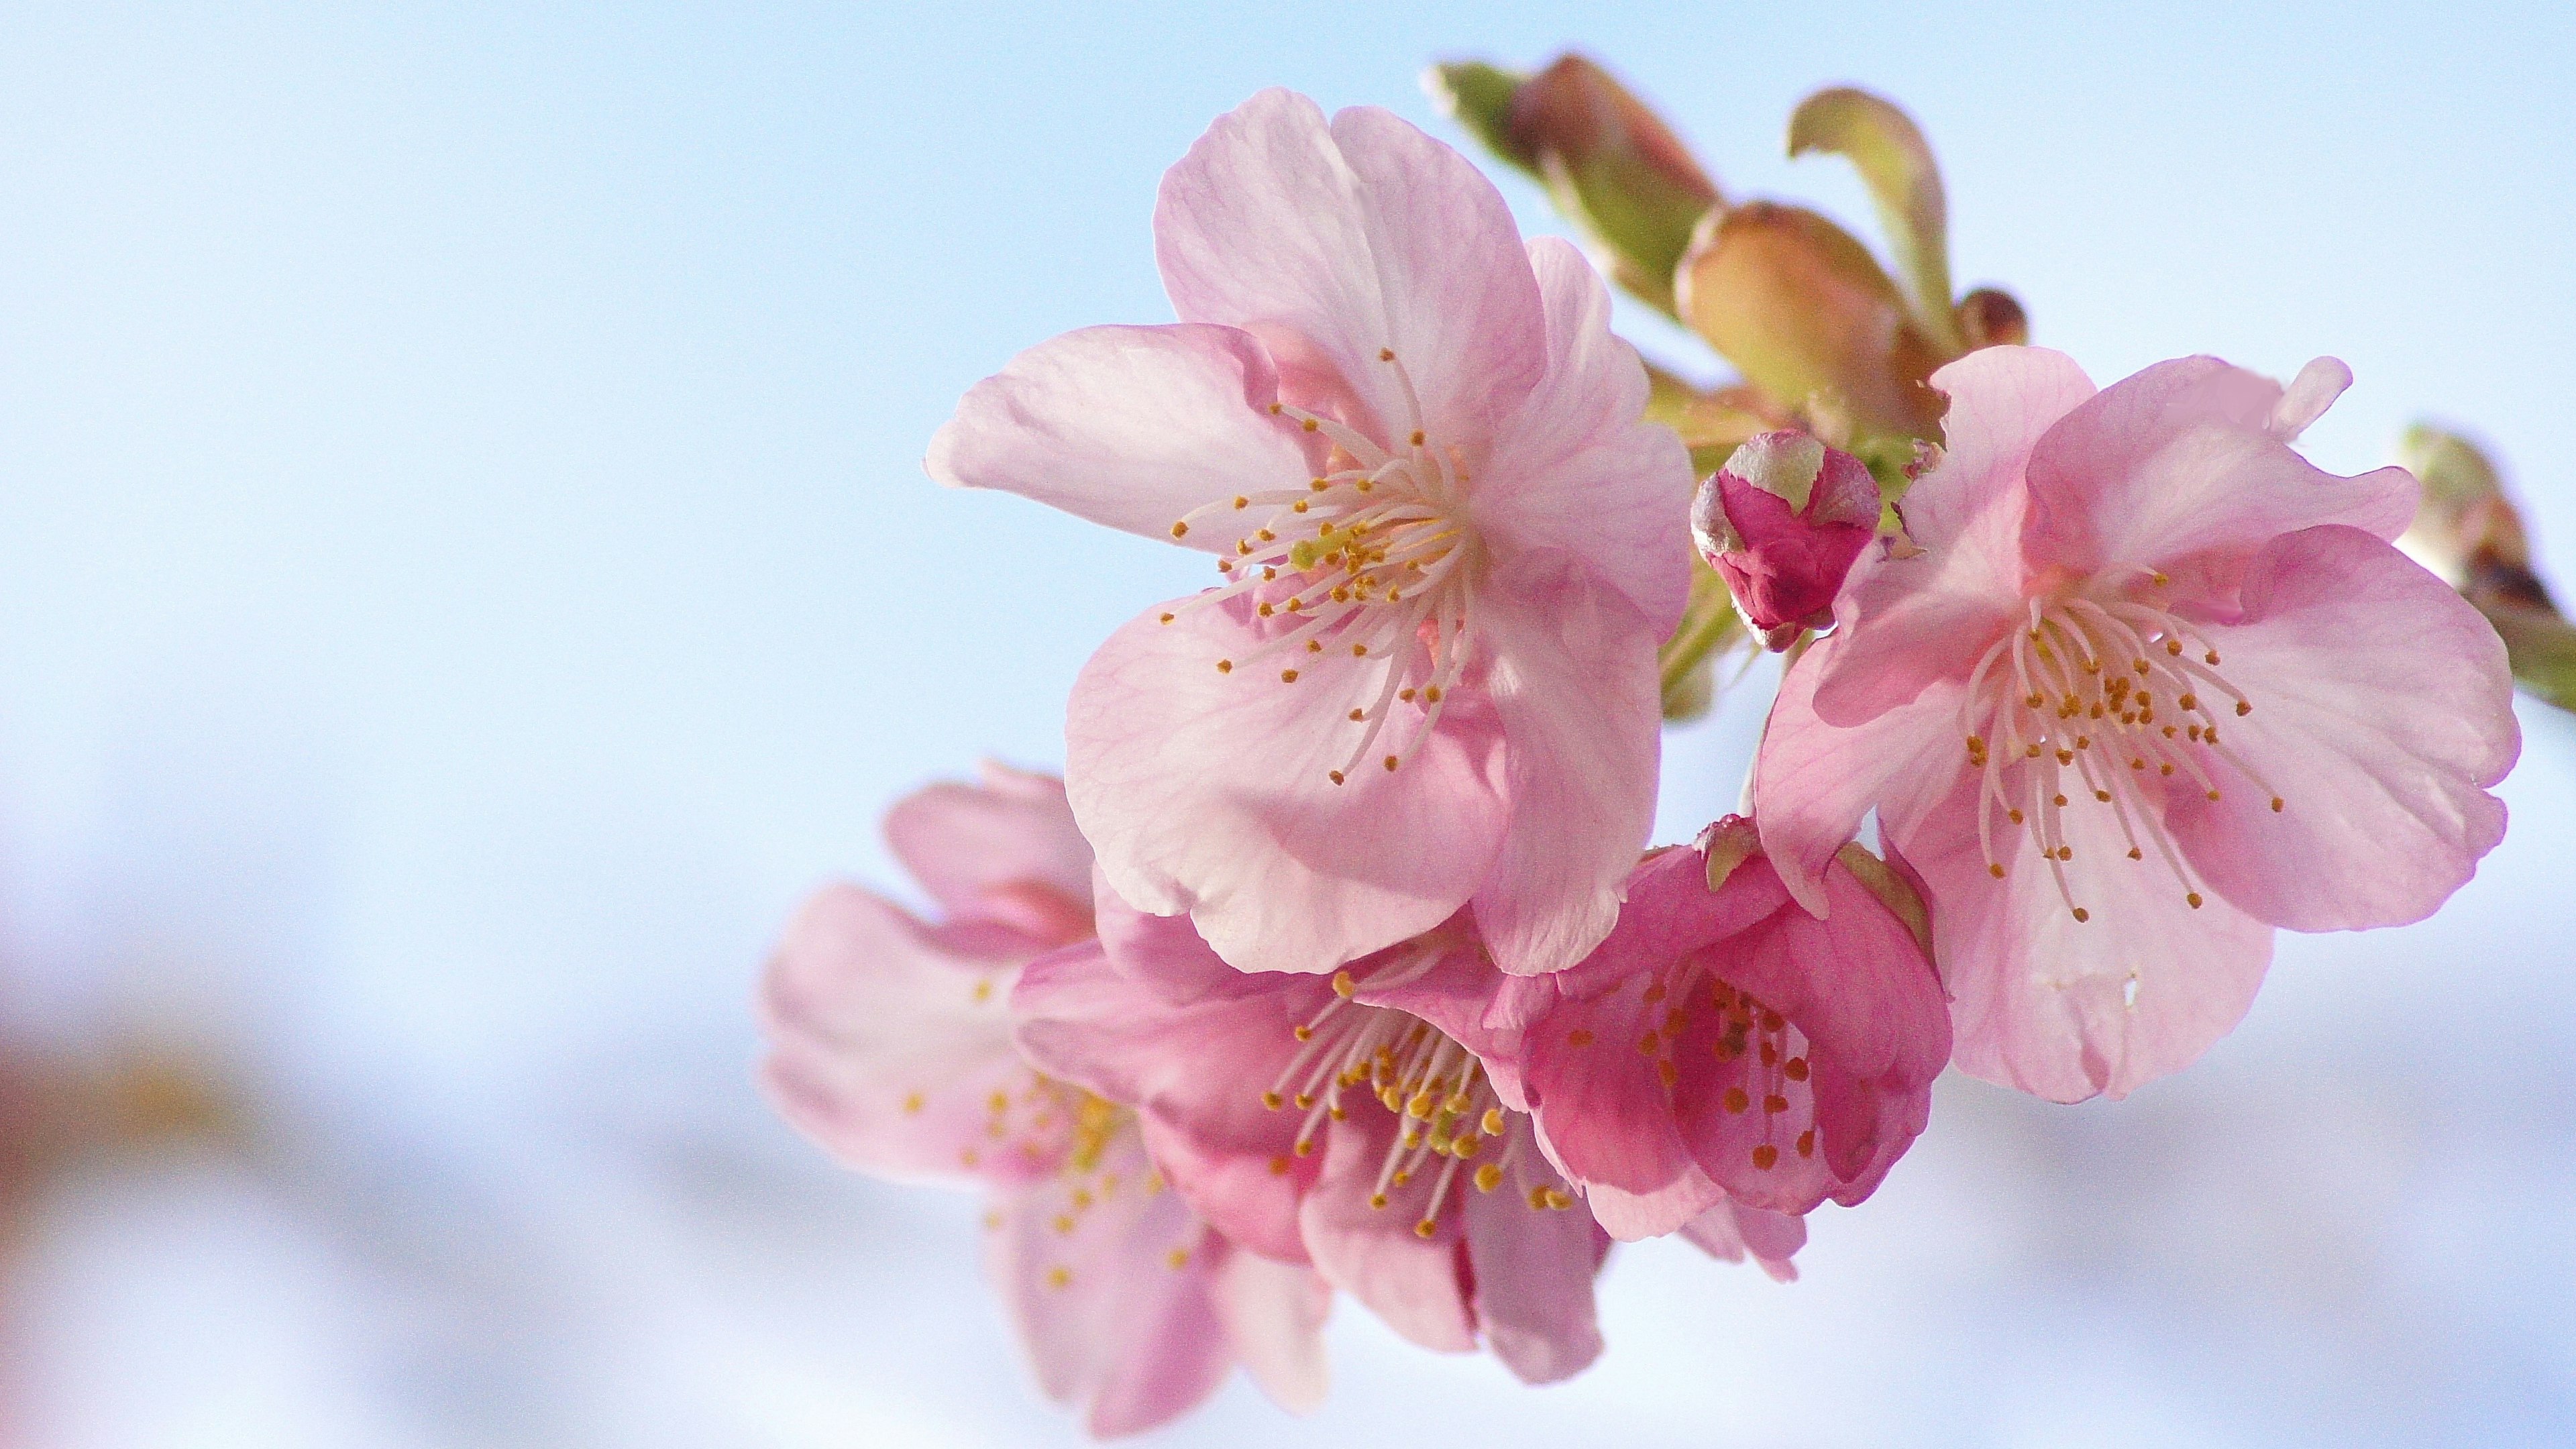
2156	686
892	1048
1449	547
1350	1121
1781	522
1726	1048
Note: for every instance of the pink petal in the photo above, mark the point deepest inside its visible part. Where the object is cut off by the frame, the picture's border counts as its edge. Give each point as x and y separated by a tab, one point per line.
1335	243
2045	1003
1127	426
1575	685
1373	1253
886	1045
1533	1270
1906	622
1577	467
1274	1321
1006	849
1196	1071
1210	794
2308	396
1731	1231
2382	712
2176	461
1107	1316
1633	1217
1813	781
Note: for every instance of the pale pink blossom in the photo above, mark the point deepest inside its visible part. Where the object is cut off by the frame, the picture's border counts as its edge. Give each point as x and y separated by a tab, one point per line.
2155	686
891	1046
1450	547
1726	1049
1782	521
1348	1121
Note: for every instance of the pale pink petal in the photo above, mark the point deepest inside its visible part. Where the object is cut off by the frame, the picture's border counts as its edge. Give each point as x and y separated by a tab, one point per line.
1006	849
1274	1321
1813	781
2176	462
1631	1217
1533	1268
1132	427
1248	1189
1907	621
1105	1284
1576	467
886	1045
1373	1253
2308	396
1211	793
2068	1009
1164	953
1574	683
1363	236
2382	712
1731	1231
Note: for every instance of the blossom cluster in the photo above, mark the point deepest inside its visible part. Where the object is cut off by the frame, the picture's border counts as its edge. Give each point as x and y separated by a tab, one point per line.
1341	959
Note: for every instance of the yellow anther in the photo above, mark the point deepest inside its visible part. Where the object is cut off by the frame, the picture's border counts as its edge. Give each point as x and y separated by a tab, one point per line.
1344	984
912	1102
1736	1100
1489	1177
1492	1122
2082	914
1059	1277
1578	1037
1766	1157
2193	898
1180	530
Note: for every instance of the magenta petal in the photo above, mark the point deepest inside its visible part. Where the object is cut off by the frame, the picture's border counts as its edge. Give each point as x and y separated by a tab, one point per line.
1574	683
1131	427
2178	461
1210	793
1373	1253
1006	849
2382	712
1576	467
1349	238
1533	1270
886	1045
1813	781
1274	1320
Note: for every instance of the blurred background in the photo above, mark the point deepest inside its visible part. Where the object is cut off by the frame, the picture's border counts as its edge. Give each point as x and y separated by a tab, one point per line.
465	573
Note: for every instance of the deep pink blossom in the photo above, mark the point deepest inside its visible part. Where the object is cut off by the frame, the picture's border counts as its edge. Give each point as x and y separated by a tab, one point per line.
1782	522
1449	544
891	1046
2155	686
1726	1047
1349	1121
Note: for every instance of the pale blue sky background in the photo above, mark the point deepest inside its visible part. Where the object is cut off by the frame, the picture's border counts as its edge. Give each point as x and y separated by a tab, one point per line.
465	572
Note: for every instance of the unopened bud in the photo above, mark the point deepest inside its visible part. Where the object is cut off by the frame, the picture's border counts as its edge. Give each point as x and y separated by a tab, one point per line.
1782	523
1726	844
1991	317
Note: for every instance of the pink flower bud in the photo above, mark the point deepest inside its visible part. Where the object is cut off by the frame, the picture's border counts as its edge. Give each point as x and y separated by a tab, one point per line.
1782	522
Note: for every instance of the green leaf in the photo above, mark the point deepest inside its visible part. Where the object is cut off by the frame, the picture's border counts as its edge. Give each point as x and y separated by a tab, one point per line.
1479	98
2467	530
1896	163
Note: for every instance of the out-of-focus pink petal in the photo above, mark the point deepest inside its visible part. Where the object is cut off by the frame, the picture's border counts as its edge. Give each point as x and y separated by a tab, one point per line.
2068	1009
1574	683
1632	1217
1196	1071
1210	793
1351	238
1127	426
1106	1285
1373	1253
1905	622
2308	396
1732	1231
1813	781
1576	467
1274	1320
2382	711
1532	1268
887	1047
1005	849
2176	461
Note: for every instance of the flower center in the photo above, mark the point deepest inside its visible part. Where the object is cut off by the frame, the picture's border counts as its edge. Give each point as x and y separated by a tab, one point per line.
2111	705
1763	1062
1444	1104
1372	559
